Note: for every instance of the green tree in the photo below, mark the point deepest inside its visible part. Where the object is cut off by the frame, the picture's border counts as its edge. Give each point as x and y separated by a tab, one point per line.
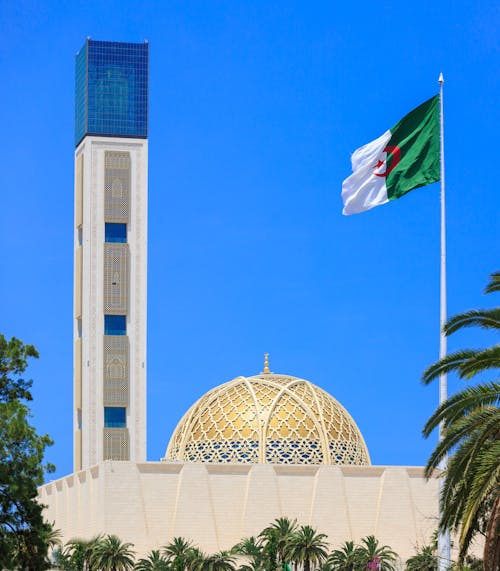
470	499
306	547
178	553
110	554
275	540
424	560
375	556
153	562
471	563
221	561
23	533
251	548
77	554
13	363
63	562
195	559
347	558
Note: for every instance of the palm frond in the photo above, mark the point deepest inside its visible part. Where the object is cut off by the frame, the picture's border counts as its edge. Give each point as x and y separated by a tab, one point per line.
470	422
485	318
466	363
480	362
446	365
494	283
486	481
465	495
476	427
462	403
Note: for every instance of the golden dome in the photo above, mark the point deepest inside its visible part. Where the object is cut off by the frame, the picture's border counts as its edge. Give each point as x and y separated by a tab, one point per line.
268	418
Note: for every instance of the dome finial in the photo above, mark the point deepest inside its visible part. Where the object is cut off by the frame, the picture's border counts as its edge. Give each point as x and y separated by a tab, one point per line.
266	370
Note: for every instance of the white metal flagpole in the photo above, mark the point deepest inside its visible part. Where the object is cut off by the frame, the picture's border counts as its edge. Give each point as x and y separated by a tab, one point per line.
443	538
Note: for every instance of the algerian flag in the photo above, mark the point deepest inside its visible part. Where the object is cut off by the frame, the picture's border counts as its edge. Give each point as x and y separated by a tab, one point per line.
403	158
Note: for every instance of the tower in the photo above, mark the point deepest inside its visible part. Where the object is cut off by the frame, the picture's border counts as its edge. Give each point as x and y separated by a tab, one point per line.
110	262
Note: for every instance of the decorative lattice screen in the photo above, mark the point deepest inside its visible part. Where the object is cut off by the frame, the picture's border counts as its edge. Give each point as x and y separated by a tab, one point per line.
116	370
116	278
117	186
271	419
116	444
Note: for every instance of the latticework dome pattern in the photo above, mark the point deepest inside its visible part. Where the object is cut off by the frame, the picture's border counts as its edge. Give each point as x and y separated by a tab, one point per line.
268	418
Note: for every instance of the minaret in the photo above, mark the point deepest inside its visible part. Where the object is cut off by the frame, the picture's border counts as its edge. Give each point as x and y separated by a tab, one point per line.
111	192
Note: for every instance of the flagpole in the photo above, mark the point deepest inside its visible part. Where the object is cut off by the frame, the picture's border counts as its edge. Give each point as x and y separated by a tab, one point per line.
443	537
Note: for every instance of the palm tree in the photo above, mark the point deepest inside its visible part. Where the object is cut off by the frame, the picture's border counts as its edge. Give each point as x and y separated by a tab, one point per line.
177	553
275	539
195	559
79	553
375	556
221	561
347	558
252	549
471	431
424	560
63	562
153	562
471	563
110	554
307	547
51	537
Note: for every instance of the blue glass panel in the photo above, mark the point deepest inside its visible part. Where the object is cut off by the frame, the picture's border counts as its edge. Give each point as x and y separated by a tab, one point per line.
112	90
81	94
115	232
115	417
115	325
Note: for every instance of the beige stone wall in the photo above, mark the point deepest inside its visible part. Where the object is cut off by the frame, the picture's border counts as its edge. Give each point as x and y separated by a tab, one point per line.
93	207
217	505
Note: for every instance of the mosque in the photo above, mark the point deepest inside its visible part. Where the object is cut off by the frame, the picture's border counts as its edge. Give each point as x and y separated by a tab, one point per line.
250	450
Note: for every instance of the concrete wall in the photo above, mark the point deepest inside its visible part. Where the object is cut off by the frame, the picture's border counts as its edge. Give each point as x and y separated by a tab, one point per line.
217	505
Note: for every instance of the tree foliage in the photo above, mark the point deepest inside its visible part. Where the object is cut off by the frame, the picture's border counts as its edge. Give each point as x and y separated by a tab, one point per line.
77	555
153	562
13	362
180	554
221	561
24	537
303	549
255	557
470	498
346	558
307	548
275	539
375	556
424	560
111	554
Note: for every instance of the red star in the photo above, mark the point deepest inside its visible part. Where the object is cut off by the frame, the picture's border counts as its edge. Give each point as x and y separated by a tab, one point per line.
379	164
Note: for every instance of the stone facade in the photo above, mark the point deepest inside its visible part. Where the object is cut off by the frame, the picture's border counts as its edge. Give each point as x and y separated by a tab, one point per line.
99	271
216	505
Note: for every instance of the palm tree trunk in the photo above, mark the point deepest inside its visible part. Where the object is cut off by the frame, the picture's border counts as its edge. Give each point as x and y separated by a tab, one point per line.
492	541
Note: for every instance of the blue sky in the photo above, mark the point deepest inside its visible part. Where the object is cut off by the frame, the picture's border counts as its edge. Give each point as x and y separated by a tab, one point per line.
255	108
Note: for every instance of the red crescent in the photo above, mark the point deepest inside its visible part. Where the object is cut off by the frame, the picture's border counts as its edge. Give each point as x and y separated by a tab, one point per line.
395	152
